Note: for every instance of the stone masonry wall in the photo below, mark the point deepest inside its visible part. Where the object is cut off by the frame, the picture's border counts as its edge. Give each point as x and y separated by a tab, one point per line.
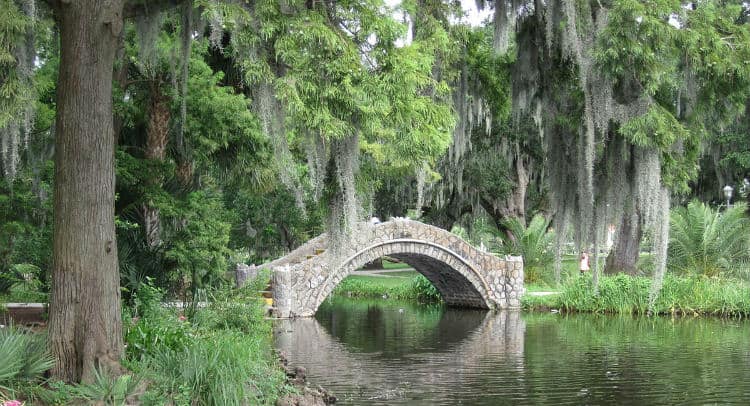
464	275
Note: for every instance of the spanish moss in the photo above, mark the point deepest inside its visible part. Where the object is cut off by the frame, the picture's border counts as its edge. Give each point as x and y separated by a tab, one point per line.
16	132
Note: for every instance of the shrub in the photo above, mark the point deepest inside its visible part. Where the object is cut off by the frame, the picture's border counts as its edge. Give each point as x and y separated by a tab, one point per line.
534	243
423	290
417	288
24	359
236	309
706	242
154	327
107	389
222	356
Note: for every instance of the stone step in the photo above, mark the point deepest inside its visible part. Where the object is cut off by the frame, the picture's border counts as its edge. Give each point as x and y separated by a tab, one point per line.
266	294
319	251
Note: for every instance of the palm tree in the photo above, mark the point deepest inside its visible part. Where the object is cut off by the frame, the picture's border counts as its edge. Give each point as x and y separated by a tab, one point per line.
704	241
533	242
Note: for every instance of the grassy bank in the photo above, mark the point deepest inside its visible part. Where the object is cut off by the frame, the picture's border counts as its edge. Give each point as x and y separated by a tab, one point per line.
625	294
404	286
221	354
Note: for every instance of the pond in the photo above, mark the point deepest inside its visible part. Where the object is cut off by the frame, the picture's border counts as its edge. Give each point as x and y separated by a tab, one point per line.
385	352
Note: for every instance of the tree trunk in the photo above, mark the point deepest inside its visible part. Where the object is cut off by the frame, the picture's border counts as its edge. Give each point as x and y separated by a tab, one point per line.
624	254
85	327
156	149
374	264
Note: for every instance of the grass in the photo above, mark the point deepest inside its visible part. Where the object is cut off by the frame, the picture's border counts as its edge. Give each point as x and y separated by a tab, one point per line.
540	287
625	294
416	287
218	355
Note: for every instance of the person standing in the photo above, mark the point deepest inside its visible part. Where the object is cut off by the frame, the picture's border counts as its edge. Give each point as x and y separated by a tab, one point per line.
584	263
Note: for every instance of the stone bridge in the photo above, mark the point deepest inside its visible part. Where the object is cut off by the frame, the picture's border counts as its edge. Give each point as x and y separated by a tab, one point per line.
464	275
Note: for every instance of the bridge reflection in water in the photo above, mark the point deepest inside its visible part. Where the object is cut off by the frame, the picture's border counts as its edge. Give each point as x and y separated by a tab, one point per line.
390	353
403	355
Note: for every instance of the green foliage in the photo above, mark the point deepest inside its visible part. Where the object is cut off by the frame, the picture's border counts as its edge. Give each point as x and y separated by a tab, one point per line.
154	327
236	309
704	241
23	284
225	368
393	287
107	389
25	232
270	224
24	359
198	247
630	295
660	129
424	291
694	64
15	92
534	243
224	135
220	355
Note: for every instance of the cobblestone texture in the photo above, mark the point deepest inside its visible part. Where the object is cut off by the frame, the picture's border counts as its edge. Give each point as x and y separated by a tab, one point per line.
464	275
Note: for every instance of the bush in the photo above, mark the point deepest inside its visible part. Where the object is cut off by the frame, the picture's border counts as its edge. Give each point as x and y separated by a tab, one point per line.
24	359
21	283
423	290
153	328
707	242
534	243
236	309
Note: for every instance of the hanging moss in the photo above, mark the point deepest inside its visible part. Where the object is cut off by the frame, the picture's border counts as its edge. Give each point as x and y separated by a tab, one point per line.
17	67
272	119
342	194
578	113
147	27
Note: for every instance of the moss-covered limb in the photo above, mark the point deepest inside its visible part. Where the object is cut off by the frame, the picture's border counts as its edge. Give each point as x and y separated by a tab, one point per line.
625	294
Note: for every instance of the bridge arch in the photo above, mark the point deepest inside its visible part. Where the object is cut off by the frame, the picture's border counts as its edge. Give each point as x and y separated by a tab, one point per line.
464	275
458	280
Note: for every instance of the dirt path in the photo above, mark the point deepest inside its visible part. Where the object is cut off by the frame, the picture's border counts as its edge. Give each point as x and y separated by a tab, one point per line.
383	272
542	293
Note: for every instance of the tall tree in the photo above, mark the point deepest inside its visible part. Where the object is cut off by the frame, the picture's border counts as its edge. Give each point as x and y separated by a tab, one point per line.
623	87
85	328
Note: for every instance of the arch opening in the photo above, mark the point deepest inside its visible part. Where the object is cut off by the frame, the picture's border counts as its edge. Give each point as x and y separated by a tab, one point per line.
455	289
457	281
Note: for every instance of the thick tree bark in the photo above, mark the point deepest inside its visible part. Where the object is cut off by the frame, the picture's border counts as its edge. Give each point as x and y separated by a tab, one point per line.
624	254
85	327
156	149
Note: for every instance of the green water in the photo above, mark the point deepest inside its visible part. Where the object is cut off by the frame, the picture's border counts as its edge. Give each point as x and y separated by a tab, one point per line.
394	353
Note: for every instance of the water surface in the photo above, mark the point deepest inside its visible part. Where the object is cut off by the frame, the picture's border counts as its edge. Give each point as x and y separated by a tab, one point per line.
396	353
